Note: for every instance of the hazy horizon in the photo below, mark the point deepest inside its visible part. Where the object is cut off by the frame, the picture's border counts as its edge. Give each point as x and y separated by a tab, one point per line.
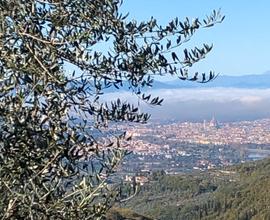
197	104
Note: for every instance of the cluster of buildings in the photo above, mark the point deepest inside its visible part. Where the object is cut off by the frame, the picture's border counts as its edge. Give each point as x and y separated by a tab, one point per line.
185	146
236	133
212	132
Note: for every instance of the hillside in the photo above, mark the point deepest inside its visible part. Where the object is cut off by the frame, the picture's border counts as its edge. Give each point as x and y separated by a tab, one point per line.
122	214
240	192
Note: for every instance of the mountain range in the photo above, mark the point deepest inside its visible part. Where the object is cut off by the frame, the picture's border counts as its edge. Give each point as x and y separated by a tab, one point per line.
252	81
261	81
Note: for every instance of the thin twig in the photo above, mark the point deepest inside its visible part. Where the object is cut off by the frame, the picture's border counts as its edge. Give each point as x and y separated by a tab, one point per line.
41	40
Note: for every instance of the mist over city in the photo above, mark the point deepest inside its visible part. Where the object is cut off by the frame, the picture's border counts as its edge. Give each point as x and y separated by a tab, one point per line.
226	104
227	100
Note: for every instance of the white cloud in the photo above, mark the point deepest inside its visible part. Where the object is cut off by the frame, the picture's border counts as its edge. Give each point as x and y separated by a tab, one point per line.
227	104
205	94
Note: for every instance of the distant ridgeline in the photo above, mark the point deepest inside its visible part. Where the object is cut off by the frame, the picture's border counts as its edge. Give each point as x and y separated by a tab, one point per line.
260	81
240	192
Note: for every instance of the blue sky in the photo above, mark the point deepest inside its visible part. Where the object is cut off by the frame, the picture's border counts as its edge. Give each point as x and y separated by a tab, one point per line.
241	42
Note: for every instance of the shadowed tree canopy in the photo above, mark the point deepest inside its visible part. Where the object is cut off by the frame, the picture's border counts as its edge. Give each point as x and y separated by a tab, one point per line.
57	156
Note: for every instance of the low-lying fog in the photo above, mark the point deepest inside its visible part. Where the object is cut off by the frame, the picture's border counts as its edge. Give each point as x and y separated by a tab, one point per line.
197	104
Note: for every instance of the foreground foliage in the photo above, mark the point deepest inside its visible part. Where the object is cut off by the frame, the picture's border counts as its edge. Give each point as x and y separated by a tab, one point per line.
56	60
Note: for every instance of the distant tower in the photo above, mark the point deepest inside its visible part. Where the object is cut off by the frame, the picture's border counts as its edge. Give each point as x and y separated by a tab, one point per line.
214	123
